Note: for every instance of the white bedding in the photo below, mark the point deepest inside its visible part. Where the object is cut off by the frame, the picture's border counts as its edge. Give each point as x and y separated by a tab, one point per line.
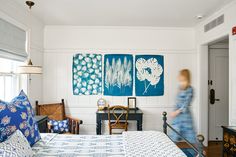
130	144
150	144
59	145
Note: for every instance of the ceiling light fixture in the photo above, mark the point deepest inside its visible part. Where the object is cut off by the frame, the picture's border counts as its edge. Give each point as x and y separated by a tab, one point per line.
199	17
29	68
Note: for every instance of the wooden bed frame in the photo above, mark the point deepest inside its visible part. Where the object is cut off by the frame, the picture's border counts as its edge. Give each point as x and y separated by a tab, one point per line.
199	148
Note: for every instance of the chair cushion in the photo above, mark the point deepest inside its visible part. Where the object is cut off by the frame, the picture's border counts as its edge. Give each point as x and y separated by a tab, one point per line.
59	126
16	145
18	114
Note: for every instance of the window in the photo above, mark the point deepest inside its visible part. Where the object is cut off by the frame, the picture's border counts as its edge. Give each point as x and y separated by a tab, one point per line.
12	54
10	82
12	41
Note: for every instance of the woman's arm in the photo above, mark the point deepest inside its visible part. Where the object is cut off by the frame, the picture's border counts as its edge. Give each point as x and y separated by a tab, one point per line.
175	113
185	104
187	100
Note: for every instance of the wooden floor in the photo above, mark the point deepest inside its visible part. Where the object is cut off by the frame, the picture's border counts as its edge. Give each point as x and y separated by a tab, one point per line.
214	149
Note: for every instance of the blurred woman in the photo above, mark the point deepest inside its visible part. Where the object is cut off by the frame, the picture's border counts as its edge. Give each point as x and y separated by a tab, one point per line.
182	118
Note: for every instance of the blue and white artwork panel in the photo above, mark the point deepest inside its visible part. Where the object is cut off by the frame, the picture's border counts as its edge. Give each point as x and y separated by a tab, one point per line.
87	74
118	74
149	75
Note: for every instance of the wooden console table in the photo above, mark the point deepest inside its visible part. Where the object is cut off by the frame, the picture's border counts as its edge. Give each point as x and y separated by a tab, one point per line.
136	115
229	141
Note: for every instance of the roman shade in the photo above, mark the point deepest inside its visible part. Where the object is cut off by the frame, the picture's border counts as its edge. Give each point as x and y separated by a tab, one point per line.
12	41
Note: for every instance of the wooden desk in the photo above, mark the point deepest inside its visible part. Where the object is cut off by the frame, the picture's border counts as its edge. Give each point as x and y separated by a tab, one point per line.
136	115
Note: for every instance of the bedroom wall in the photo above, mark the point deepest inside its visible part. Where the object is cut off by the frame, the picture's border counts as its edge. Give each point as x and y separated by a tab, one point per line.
202	39
61	42
21	18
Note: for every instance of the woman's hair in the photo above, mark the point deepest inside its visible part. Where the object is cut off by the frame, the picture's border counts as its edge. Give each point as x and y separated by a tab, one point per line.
186	73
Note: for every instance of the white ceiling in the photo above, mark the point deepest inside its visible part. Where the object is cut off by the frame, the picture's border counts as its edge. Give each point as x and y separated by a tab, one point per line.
162	13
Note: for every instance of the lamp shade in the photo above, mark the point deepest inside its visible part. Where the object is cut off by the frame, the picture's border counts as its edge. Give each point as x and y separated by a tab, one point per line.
29	69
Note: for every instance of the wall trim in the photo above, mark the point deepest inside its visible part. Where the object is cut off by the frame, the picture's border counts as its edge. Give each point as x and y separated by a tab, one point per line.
117	27
105	50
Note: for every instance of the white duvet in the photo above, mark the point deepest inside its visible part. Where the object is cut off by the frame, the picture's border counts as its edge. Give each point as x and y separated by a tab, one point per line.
150	144
129	144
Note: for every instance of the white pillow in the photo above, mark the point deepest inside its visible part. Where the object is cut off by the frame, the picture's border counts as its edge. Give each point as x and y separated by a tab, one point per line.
16	146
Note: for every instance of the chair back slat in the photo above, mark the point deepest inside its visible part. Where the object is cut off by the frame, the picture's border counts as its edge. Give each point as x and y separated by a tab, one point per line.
55	111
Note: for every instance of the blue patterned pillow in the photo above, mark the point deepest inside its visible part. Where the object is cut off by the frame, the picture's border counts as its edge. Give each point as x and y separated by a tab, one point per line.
60	126
18	114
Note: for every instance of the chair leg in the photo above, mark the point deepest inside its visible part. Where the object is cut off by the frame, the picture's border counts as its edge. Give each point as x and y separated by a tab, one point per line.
110	131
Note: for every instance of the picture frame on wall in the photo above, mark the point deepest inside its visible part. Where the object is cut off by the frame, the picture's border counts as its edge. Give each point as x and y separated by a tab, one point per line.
132	103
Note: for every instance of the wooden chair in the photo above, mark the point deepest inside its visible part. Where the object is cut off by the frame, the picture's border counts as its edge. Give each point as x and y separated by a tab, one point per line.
56	111
118	118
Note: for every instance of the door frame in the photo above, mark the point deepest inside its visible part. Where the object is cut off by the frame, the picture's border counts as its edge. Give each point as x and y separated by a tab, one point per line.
203	71
218	51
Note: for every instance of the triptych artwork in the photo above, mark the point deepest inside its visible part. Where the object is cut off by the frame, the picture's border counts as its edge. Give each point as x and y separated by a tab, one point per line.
121	73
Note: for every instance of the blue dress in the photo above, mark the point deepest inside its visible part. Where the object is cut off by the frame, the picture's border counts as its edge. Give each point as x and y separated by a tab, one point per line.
183	123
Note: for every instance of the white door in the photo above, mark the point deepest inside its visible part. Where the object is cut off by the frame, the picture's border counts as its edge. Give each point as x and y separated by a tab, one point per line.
218	84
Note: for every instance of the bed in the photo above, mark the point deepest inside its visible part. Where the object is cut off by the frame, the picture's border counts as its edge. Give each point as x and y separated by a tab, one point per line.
130	144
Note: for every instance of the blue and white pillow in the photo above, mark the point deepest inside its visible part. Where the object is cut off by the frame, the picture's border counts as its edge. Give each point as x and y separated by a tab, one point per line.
16	145
18	114
60	126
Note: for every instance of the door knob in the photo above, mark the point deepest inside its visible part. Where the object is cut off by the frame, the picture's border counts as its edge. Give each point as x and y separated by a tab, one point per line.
212	96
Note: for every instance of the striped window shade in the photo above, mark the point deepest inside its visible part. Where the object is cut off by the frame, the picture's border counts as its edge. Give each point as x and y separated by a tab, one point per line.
12	41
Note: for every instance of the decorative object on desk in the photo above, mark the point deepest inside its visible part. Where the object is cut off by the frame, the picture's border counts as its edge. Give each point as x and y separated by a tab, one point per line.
149	75
87	74
118	74
102	104
132	102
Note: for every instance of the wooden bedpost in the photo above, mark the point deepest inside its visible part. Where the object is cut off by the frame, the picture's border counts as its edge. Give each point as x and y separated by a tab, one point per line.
200	139
37	107
165	123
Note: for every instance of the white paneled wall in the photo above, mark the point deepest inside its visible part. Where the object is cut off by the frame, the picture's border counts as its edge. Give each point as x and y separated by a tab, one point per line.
177	46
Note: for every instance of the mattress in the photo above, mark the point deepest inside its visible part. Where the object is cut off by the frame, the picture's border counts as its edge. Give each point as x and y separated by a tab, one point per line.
129	144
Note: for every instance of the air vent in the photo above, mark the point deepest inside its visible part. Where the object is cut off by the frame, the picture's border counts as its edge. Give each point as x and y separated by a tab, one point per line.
214	23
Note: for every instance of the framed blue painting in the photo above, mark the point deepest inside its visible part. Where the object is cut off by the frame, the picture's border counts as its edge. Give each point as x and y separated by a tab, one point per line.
87	74
149	75
118	74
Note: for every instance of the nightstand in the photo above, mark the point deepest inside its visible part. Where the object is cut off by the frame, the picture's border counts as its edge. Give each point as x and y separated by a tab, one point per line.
42	123
229	141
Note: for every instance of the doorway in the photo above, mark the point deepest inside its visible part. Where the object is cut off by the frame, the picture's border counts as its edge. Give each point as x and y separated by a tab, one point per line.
218	88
